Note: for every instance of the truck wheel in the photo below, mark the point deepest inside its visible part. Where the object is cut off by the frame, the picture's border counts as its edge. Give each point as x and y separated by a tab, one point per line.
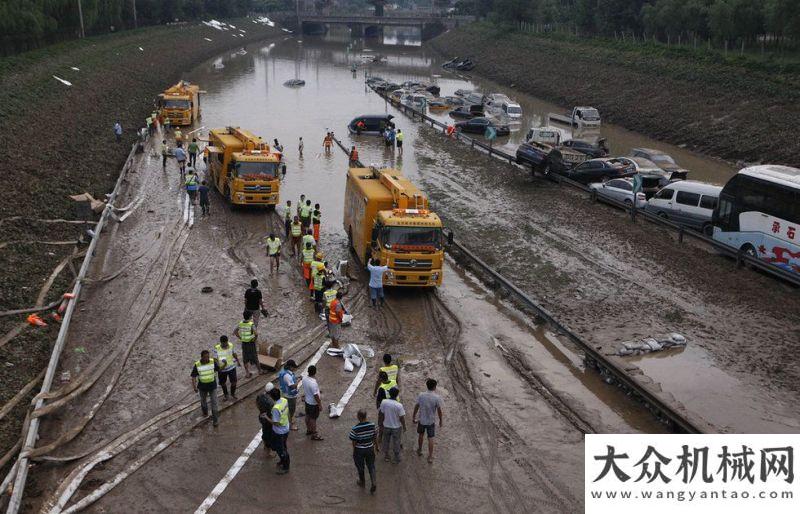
708	229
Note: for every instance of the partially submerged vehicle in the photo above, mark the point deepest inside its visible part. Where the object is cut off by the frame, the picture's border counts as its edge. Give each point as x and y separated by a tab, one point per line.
479	125
547	135
374	124
438	104
467	112
582	116
458	63
502	104
295	83
416	101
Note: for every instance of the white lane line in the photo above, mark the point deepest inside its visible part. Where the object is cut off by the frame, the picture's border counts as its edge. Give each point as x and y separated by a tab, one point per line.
191	213
186	208
240	462
230	475
336	410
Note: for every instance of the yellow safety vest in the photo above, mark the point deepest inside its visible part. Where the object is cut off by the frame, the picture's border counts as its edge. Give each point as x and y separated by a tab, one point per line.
329	295
205	372
319	277
391	372
297	229
308	238
308	255
273	245
283	407
246	331
387	387
225	354
288	214
191	179
399	136
305	211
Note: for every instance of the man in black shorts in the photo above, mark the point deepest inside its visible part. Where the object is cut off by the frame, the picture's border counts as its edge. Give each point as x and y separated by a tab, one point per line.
228	360
312	402
246	333
253	301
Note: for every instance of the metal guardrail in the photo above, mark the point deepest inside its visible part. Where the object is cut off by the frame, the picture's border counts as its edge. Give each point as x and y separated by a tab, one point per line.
740	257
33	429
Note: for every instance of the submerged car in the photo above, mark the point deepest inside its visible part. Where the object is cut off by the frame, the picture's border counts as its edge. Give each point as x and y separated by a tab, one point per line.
373	124
467	112
479	126
502	104
592	150
621	190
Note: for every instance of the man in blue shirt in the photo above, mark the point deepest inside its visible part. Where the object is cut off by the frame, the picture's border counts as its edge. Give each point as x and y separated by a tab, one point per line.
280	430
376	272
118	131
180	156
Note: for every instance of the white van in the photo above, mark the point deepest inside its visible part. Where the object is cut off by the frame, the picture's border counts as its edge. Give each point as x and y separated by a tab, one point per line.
686	202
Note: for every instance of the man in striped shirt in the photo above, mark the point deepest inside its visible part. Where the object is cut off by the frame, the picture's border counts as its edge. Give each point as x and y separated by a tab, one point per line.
363	435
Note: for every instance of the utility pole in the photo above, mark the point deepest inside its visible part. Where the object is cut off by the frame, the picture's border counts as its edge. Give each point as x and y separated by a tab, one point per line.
80	15
135	22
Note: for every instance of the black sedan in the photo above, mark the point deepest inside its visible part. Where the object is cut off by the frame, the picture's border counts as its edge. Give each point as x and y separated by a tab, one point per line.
467	112
598	170
585	147
479	126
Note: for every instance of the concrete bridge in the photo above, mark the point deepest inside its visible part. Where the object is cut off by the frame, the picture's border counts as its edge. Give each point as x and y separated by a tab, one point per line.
362	24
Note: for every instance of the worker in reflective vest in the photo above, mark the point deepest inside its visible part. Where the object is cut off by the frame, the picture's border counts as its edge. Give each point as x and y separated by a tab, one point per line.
287	219
301	202
381	391
274	253
392	372
318	280
308	258
336	312
227	360
316	266
399	140
279	420
204	381
191	185
305	214
297	234
247	334
308	237
316	219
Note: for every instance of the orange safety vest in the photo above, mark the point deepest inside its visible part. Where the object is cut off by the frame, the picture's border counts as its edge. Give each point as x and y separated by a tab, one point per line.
333	315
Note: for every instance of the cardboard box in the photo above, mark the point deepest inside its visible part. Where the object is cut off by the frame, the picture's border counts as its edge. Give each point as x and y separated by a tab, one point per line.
270	356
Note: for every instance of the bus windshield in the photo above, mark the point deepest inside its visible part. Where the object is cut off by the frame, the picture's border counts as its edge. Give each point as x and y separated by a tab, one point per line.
256	170
177	104
399	237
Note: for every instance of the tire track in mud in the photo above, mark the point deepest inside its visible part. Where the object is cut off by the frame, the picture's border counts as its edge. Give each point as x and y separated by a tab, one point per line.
486	426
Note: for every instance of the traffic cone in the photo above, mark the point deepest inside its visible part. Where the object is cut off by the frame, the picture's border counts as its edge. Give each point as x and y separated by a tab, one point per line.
36	321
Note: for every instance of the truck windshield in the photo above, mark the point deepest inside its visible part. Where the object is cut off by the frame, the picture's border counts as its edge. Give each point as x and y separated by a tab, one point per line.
399	237
256	170
590	114
177	104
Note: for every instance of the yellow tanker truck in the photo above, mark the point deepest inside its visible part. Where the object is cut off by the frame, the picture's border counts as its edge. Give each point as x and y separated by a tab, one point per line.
387	217
243	168
180	104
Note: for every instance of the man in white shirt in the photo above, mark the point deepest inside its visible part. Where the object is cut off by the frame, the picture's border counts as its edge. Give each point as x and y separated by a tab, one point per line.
392	421
312	400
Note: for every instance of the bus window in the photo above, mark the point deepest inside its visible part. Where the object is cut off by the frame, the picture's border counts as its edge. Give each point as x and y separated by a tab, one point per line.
687	198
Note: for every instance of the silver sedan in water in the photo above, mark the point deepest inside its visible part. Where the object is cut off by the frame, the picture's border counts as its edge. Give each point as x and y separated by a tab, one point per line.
621	190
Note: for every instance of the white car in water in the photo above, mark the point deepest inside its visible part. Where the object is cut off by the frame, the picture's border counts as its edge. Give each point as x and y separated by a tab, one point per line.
500	104
621	190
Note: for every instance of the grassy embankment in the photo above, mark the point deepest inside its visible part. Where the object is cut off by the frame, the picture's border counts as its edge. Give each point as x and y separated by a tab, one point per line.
733	107
58	141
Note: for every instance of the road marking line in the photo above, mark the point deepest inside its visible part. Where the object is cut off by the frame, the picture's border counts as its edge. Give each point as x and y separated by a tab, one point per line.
191	213
336	410
240	462
230	475
186	209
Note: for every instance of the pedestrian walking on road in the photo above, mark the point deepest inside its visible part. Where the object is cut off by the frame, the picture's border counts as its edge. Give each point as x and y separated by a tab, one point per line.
265	403
305	215
227	360
392	372
118	131
247	334
313	402
274	253
287	381
204	381
316	219
204	204
287	219
301	202
308	238
190	183
327	143
297	234
399	138
392	420
164	154
193	149
336	313
254	302
280	430
178	135
180	156
429	405
364	437
300	146
376	272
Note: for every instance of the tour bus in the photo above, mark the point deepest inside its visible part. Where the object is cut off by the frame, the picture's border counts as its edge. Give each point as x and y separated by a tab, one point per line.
759	213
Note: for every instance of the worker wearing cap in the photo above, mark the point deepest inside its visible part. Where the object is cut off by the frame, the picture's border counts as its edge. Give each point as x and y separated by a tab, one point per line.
317	267
316	219
336	312
265	404
297	234
246	332
392	372
287	381
308	258
204	381
329	296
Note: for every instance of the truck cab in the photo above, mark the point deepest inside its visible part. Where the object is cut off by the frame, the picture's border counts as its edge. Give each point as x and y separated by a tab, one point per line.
243	168
180	104
387	218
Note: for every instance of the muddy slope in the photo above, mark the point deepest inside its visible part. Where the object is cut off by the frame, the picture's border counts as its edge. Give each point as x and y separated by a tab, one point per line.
713	107
57	141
